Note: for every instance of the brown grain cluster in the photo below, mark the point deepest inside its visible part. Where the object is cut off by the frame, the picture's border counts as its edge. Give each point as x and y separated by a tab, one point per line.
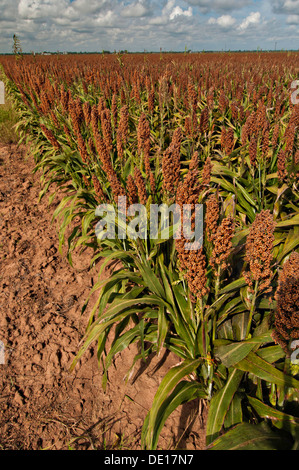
192	263
151	101
140	184
206	172
73	109
188	126
196	274
275	136
68	134
223	101
114	109
132	190
265	141
105	159
144	145
54	119
189	189
64	99
253	146
87	113
281	165
204	121
122	131
82	149
100	196
171	163
107	129
101	105
227	140
210	98
259	251
286	325
45	103
222	243
211	216
50	136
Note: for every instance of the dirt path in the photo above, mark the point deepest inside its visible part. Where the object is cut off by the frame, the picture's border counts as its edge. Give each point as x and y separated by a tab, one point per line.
42	404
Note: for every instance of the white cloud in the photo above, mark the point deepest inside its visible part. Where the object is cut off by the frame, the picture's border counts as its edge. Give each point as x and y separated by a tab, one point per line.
219	5
169	13
105	19
289	7
293	19
253	18
34	9
47	9
177	11
225	21
136	10
94	25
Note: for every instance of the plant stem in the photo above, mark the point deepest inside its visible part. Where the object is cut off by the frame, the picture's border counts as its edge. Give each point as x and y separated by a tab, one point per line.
200	309
217	284
252	309
260	188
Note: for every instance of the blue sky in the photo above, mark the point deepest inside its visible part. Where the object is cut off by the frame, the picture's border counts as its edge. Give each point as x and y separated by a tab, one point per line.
138	25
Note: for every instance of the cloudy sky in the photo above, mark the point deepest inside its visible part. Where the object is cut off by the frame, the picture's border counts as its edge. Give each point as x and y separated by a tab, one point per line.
138	25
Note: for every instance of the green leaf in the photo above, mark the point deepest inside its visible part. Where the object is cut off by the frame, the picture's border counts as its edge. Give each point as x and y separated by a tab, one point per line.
127	301
220	404
118	310
289	223
233	353
184	392
163	325
245	194
247	436
235	285
226	330
239	324
119	345
265	371
281	420
234	415
171	380
150	278
290	244
271	353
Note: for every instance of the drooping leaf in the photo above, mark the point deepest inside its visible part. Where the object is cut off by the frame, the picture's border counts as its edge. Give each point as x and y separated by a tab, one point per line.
265	371
220	404
280	419
184	392
169	382
247	436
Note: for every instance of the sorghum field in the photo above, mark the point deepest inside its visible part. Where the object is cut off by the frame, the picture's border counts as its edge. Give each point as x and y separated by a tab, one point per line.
217	129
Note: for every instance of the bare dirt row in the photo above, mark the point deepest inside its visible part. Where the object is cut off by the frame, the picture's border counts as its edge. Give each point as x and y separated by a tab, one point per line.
42	404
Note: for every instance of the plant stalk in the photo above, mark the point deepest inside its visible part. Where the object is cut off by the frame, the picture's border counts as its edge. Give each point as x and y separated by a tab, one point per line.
252	309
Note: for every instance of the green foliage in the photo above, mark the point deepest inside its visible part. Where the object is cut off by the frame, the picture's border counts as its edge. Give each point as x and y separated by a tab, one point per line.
223	340
8	121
